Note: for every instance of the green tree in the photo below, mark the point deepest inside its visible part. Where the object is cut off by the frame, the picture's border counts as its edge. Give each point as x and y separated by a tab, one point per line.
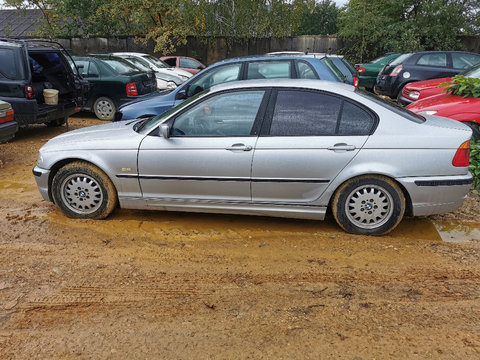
376	26
320	18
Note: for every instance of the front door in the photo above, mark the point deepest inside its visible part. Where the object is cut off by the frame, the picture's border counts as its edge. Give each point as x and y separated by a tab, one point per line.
208	157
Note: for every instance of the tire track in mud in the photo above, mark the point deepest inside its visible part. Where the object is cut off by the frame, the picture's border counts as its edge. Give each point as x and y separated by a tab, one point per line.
78	296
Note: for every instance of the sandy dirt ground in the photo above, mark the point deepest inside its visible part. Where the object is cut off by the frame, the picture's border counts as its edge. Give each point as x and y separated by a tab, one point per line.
157	285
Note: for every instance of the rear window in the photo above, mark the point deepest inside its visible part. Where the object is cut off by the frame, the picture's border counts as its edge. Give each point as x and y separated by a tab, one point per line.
334	69
120	66
400	59
11	66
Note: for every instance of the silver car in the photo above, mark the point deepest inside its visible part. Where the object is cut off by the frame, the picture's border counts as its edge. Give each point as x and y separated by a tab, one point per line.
288	148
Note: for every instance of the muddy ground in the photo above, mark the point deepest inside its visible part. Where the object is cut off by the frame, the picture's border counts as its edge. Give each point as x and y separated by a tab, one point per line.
156	285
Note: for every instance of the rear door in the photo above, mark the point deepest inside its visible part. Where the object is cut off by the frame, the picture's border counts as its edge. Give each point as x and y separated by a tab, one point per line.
307	139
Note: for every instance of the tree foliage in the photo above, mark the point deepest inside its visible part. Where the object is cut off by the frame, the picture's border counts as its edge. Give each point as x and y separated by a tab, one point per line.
319	18
168	22
378	26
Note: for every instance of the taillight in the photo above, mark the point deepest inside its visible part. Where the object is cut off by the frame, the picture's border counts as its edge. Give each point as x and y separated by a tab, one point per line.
29	94
355	81
462	156
396	71
6	116
132	89
360	69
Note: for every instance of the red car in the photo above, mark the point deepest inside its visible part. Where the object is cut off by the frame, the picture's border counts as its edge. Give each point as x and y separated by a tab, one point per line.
466	110
185	63
422	89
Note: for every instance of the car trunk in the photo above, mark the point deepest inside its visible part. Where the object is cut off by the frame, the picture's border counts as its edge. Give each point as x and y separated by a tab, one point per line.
146	82
49	71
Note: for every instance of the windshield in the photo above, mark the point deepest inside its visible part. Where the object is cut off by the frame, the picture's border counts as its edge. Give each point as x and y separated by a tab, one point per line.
121	66
473	72
159	63
152	122
397	109
400	59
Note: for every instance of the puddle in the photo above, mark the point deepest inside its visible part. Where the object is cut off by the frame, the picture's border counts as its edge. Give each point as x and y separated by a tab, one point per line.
457	231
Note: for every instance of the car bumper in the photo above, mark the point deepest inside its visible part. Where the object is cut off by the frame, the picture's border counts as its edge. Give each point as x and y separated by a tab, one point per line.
402	100
8	130
41	177
436	194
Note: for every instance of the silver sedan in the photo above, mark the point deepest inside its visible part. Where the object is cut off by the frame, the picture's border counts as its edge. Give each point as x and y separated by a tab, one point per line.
288	148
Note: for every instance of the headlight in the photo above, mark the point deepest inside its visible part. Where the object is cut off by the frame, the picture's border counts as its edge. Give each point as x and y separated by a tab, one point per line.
171	85
427	112
414	95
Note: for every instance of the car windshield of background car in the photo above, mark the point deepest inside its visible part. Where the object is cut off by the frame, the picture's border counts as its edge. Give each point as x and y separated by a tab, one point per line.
473	72
138	63
397	109
159	63
151	123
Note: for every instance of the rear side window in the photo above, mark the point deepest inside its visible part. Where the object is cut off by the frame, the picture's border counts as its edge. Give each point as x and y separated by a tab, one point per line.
269	70
433	60
171	61
305	71
307	113
11	64
189	63
464	61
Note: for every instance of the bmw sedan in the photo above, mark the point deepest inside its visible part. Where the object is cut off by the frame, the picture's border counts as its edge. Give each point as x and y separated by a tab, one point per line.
287	148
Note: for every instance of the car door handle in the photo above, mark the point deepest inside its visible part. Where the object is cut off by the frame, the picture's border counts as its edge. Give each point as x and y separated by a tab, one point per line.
239	147
342	147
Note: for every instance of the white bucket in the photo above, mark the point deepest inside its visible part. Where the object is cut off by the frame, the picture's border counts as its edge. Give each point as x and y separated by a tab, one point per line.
51	96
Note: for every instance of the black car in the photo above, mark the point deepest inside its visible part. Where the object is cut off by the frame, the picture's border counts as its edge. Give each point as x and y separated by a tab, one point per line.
422	65
113	81
27	68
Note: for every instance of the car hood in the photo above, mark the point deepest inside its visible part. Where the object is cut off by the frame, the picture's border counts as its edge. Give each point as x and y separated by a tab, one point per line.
106	136
427	84
446	105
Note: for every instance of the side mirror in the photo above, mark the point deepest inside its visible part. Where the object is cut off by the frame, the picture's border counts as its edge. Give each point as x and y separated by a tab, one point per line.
165	130
181	95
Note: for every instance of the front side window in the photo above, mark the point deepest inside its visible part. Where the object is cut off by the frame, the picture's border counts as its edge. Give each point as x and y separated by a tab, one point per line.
433	60
227	114
219	75
308	113
269	70
464	61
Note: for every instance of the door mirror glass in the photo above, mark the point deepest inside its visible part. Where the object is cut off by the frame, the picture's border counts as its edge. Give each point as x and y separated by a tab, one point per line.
181	95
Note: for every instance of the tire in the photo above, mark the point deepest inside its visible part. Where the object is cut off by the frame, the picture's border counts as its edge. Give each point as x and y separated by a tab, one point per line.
368	205
56	122
104	108
475	130
83	191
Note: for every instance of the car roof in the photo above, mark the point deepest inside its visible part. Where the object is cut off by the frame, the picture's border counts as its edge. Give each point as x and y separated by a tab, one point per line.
288	83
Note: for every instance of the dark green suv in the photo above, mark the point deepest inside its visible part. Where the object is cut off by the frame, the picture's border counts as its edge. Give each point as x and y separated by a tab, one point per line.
113	81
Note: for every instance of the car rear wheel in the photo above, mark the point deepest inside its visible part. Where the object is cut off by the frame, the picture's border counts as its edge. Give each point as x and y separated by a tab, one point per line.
475	130
104	108
82	190
368	205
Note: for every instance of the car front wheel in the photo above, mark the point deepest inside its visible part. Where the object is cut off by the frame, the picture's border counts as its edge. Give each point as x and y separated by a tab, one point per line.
368	205
82	190
104	108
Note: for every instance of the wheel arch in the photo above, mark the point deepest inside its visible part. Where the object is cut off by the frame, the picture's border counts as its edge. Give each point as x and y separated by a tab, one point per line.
408	199
62	162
